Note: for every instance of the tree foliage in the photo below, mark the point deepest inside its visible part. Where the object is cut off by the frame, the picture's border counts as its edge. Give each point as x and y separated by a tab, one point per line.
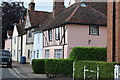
12	12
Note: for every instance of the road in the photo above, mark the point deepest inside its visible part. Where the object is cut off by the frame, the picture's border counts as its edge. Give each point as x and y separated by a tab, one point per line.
9	74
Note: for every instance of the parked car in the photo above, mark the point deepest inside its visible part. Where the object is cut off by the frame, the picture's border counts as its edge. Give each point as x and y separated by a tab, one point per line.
6	58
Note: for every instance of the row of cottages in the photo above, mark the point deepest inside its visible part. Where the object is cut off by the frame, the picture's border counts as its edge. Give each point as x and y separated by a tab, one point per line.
82	24
23	34
53	35
13	43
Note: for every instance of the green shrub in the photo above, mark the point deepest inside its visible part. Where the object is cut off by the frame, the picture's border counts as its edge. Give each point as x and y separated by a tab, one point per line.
59	66
106	70
89	53
38	66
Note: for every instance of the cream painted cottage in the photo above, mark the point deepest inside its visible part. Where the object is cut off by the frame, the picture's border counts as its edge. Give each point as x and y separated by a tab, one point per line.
34	20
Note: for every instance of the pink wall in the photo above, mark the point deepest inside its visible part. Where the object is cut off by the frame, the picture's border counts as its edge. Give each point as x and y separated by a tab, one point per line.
54	41
54	44
78	36
8	44
51	49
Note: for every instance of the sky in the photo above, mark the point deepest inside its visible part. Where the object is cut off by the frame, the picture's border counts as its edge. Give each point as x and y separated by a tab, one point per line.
42	5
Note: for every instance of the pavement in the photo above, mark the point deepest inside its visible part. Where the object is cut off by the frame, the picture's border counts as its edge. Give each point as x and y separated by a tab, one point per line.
25	71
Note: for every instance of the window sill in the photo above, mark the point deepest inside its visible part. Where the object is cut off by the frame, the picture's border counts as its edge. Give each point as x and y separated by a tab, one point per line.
94	34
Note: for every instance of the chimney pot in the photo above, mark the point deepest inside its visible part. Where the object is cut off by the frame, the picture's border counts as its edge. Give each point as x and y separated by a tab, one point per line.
32	5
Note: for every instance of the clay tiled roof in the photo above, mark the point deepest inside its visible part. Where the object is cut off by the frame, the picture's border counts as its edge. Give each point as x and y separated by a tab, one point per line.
94	13
37	17
21	30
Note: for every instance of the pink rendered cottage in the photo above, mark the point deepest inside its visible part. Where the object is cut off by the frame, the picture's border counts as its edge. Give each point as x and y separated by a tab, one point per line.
80	25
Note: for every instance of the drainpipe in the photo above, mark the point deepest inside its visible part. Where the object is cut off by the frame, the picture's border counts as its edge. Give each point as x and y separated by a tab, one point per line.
114	30
11	46
64	42
17	42
21	44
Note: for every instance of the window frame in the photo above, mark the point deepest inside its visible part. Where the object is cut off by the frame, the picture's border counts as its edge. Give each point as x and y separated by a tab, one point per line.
94	30
37	53
14	52
50	33
14	40
28	53
47	54
34	54
58	55
29	34
57	33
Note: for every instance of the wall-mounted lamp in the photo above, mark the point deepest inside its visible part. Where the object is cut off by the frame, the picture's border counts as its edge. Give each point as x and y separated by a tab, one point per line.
89	41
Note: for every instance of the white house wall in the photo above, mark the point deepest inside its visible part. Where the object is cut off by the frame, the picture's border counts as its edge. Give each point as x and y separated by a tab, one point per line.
38	45
15	45
28	24
14	49
24	45
19	48
15	32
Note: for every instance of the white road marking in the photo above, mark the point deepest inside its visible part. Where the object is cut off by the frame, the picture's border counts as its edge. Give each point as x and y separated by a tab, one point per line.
0	72
19	73
11	71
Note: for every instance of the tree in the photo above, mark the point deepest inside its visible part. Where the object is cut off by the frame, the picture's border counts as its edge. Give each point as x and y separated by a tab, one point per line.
12	12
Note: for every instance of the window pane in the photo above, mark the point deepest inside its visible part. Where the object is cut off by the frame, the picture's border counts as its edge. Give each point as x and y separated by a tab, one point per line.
37	53
46	54
34	54
57	34
14	52
50	35
29	33
58	53
28	54
94	30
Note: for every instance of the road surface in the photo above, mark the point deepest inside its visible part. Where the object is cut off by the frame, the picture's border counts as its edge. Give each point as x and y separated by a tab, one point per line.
9	74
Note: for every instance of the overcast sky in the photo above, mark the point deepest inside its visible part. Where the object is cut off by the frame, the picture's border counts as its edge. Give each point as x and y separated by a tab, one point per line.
43	5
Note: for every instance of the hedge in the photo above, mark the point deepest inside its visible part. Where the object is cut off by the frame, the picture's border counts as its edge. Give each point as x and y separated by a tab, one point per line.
59	66
106	70
38	66
89	53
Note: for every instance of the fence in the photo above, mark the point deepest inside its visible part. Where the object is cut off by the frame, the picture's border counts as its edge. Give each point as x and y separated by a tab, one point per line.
116	72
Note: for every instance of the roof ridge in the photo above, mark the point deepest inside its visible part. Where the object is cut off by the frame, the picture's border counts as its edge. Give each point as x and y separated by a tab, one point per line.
77	7
40	11
96	11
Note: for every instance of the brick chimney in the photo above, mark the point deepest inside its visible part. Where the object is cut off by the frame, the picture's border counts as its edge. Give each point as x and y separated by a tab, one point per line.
113	30
32	5
58	6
